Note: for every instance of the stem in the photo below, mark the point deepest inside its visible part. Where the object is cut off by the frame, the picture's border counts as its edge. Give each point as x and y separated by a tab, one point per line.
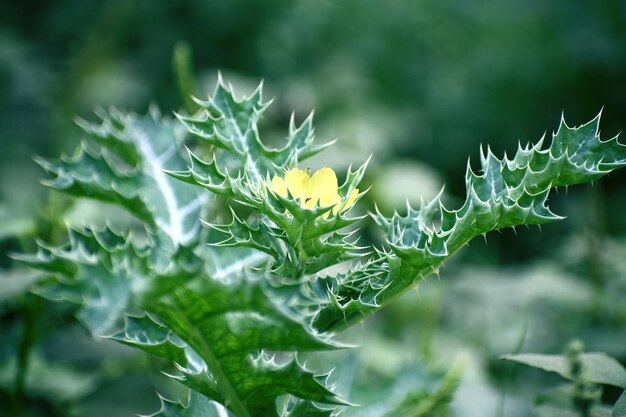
231	398
595	248
302	258
185	78
584	395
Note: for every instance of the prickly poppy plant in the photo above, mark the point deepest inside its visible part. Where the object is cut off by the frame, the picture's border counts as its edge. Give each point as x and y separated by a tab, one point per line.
237	306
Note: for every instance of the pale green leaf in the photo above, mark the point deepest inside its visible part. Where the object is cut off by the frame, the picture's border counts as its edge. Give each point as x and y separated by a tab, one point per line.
196	405
61	382
231	124
598	368
125	163
17	282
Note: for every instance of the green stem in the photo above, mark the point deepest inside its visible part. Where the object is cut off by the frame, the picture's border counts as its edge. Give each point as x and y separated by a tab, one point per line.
185	78
594	242
231	398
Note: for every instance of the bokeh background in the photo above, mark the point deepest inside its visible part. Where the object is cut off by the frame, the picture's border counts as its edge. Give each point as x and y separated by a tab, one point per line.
417	84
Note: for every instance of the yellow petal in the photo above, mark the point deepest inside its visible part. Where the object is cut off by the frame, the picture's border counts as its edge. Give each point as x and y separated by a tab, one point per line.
329	199
351	199
298	182
279	186
323	182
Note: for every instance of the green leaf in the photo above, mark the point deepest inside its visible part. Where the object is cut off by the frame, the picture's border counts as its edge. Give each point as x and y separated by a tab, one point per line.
124	163
205	174
399	387
298	408
14	224
231	124
240	233
597	368
196	405
424	404
60	382
100	269
146	334
17	282
230	334
508	192
233	328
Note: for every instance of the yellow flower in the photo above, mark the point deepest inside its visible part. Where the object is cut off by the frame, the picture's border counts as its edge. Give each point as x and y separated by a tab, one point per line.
321	189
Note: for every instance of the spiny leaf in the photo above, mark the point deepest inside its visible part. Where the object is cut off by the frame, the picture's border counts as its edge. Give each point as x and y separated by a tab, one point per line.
124	163
230	124
230	326
299	408
89	173
196	405
146	334
507	193
220	329
240	233
205	174
99	269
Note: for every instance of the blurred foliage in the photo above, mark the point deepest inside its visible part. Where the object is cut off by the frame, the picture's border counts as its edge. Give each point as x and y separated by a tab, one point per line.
418	84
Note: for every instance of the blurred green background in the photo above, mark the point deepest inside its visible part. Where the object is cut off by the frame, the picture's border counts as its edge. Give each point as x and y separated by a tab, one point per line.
418	84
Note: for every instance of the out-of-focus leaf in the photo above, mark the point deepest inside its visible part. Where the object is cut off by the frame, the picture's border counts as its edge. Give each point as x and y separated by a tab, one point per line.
598	368
429	404
51	380
17	282
12	225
